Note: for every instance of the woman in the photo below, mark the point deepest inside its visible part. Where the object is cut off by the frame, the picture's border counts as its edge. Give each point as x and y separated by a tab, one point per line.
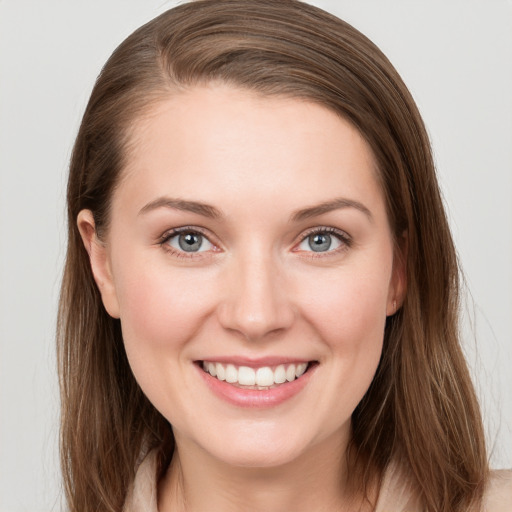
259	306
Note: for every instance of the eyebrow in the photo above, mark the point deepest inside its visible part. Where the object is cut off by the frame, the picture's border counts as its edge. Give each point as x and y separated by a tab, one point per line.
329	206
180	204
211	212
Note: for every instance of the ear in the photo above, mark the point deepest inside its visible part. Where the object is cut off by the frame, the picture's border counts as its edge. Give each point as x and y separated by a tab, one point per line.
398	283
100	262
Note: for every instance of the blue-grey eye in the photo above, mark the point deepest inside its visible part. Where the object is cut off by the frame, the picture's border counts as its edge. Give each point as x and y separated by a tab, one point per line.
190	241
320	242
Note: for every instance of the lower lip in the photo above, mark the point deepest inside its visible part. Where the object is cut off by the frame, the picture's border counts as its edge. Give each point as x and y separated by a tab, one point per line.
256	398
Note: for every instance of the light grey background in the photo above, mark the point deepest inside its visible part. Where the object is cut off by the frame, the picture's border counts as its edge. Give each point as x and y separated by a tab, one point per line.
456	57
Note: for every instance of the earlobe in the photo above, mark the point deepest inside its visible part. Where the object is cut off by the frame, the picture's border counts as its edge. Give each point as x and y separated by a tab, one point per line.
100	262
398	285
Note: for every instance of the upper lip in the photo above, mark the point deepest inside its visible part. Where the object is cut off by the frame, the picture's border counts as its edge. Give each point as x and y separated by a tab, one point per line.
256	362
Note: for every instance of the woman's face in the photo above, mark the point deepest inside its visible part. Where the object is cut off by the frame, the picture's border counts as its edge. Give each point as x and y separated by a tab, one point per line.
249	236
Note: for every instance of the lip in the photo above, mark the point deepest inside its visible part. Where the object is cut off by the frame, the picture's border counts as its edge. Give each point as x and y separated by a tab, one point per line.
253	398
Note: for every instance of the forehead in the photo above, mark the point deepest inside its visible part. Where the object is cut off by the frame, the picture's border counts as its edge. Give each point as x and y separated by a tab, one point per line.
217	143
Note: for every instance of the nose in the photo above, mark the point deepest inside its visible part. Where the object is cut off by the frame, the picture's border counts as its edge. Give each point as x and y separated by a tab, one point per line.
256	300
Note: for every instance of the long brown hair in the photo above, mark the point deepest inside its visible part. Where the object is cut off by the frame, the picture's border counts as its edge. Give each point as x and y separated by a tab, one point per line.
421	408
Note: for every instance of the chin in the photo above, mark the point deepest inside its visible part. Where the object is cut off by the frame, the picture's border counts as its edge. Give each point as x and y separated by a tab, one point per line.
260	445
252	456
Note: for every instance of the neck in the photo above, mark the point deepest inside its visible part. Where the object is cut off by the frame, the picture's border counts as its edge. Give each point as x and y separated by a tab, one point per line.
316	480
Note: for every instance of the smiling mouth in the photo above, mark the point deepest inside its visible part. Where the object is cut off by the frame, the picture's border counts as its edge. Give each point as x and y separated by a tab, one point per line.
261	378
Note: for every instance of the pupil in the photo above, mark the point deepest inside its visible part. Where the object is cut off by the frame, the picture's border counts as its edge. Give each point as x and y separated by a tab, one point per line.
320	242
190	242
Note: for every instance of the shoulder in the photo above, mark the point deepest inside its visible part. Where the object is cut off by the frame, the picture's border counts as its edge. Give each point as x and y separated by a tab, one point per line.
498	494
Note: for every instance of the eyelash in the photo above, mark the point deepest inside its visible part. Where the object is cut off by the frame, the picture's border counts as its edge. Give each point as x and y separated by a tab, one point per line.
343	237
183	254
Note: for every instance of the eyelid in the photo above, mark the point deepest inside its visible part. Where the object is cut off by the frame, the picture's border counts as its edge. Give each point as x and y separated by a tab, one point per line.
170	233
343	237
182	229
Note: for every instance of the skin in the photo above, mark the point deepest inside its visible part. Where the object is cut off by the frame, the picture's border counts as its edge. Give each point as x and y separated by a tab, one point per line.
255	289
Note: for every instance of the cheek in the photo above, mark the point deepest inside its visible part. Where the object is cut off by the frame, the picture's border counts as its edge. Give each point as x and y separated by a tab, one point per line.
350	311
160	309
350	319
161	312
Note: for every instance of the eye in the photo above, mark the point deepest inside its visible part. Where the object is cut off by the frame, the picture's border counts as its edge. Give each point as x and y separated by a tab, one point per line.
189	241
324	240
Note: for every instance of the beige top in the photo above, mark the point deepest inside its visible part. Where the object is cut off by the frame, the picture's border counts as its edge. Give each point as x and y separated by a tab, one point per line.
396	494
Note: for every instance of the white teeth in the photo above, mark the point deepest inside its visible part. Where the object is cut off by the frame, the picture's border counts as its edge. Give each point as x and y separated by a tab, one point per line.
221	372
290	373
263	377
301	368
280	374
231	374
246	376
212	369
